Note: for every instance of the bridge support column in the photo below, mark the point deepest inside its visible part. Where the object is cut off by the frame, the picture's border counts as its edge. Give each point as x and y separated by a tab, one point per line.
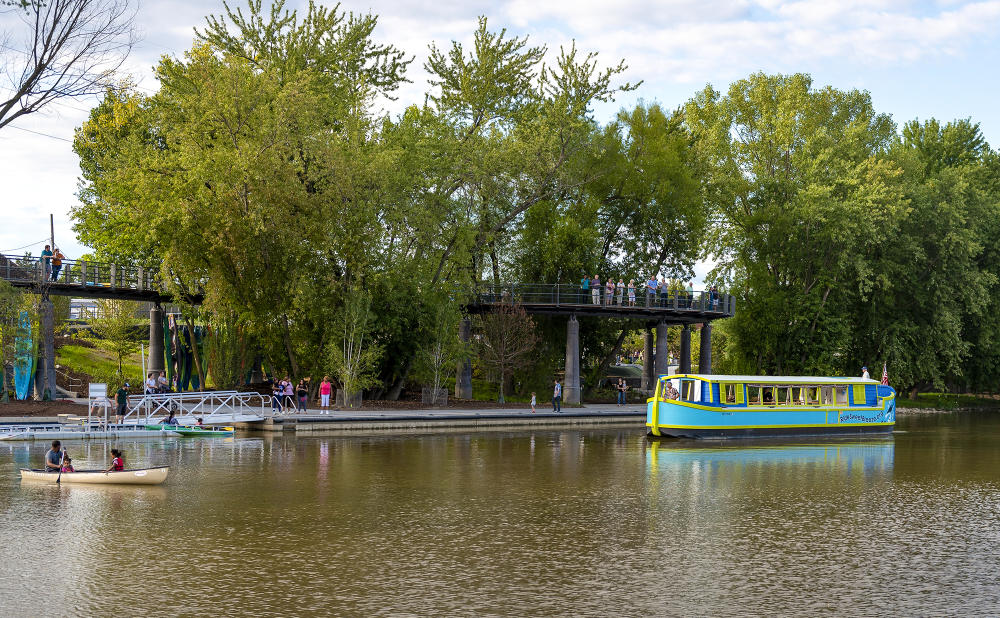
45	371
155	362
705	353
661	364
571	385
463	376
685	362
647	360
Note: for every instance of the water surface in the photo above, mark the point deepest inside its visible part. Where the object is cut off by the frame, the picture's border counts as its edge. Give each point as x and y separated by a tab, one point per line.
596	523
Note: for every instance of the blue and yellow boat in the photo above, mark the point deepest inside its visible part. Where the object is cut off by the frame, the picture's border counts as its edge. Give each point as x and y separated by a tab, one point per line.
718	406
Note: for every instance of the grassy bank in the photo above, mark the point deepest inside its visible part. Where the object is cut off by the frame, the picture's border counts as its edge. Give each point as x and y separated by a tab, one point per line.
948	401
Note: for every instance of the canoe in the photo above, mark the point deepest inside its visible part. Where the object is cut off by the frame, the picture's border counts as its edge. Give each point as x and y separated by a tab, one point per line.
145	476
193	431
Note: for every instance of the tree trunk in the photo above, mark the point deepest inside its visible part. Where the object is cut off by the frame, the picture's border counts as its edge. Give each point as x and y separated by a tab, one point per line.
286	336
397	387
502	380
196	353
606	361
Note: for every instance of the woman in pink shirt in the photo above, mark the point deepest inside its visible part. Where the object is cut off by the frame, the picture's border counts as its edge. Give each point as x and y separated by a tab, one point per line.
324	395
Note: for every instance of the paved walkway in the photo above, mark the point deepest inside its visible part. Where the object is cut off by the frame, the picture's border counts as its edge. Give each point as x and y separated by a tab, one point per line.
587	410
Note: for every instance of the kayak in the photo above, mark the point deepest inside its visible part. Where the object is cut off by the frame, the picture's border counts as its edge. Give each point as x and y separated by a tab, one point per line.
193	431
145	476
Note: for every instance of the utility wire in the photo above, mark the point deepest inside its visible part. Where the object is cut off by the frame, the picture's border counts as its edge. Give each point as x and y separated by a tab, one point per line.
40	133
32	244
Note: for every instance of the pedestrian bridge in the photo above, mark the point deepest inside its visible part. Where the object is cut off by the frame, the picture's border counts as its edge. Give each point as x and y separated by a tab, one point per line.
213	407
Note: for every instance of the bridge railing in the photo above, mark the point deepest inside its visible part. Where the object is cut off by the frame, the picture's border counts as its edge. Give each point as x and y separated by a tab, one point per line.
570	295
83	273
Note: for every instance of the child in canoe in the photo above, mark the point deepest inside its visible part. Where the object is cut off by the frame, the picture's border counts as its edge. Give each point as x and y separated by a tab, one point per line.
67	465
117	463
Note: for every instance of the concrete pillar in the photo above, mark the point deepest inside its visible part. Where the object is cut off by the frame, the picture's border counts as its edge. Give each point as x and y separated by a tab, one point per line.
647	360
571	384
155	362
705	355
685	362
463	376
45	360
661	364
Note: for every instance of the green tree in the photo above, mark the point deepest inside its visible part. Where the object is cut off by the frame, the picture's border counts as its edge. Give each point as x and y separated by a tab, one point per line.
116	330
506	337
803	200
353	354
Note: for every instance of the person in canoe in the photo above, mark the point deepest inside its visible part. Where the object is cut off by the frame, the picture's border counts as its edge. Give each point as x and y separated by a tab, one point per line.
117	461
200	422
67	465
171	420
54	457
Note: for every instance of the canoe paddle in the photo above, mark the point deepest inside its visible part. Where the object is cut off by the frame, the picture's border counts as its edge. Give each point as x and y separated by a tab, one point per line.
61	459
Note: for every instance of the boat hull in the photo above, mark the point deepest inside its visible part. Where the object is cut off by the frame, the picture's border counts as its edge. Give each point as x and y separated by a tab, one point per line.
710	433
191	432
146	476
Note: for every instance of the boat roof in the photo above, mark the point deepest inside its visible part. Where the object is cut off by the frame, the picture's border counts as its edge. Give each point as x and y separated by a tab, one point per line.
776	380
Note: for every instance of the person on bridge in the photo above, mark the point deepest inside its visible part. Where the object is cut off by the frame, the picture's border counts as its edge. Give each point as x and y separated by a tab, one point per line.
151	384
631	292
584	289
619	291
57	259
557	397
47	260
595	290
651	290
609	292
302	392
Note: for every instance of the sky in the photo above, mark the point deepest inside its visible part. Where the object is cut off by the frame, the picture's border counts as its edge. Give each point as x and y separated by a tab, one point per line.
917	59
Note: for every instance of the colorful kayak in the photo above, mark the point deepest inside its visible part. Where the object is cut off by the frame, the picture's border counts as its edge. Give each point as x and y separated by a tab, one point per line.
145	476
720	406
192	431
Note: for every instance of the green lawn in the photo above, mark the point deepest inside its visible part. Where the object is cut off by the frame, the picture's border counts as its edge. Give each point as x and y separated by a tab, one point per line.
95	362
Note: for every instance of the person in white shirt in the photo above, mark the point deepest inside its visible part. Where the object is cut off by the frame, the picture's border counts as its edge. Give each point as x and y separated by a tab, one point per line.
864	373
151	384
557	397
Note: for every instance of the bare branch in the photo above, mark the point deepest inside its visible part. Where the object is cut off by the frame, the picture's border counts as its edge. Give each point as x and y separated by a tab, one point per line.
71	49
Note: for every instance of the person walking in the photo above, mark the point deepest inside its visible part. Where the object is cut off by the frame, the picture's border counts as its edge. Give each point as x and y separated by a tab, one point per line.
324	395
619	291
584	289
557	397
532	402
57	259
595	290
631	292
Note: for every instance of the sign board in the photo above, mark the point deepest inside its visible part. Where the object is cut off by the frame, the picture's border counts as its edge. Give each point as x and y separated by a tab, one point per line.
98	390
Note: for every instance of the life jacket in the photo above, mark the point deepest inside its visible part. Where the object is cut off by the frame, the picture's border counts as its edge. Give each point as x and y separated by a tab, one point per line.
116	464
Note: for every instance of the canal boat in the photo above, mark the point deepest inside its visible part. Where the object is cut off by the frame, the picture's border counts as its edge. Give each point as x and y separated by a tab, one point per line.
192	431
144	476
720	406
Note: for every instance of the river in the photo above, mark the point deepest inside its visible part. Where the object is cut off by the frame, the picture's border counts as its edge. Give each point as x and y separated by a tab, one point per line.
596	523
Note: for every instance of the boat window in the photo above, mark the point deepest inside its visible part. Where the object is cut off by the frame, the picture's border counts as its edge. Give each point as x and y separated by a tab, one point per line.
827	395
812	395
859	394
753	393
782	396
730	393
768	396
842	395
690	390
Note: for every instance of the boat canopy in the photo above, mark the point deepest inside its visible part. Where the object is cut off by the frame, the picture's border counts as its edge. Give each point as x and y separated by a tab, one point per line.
775	380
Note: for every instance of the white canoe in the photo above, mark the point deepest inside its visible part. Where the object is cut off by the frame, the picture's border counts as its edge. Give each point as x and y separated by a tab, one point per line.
147	476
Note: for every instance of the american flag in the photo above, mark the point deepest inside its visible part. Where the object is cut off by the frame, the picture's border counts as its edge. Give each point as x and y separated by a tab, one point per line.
885	375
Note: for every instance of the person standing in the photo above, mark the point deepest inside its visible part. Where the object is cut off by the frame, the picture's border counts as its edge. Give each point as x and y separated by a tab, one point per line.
302	392
276	392
289	393
532	402
690	294
864	373
557	397
47	260
619	291
584	289
595	290
324	395
121	398
621	387
57	259
609	292
631	292
650	290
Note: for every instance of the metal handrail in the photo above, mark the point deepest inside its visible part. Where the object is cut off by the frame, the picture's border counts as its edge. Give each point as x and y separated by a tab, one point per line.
573	295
